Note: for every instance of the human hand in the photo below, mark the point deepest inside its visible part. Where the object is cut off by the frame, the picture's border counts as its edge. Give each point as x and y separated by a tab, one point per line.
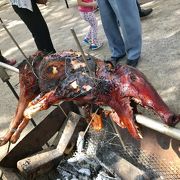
94	4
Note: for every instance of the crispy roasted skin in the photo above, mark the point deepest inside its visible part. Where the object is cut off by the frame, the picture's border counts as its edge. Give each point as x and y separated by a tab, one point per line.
65	77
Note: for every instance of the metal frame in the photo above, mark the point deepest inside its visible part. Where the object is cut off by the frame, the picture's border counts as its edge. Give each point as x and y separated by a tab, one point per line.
67	5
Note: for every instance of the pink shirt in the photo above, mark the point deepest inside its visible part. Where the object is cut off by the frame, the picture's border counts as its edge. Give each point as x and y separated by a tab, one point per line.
84	8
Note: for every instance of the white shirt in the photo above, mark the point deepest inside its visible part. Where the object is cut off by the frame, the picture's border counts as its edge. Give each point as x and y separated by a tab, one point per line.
22	4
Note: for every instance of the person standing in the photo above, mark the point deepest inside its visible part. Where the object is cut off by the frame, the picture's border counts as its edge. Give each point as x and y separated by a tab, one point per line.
126	40
142	12
86	9
30	14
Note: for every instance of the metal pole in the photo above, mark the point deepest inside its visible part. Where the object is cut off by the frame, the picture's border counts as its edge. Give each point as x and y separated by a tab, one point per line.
153	124
12	89
17	45
158	126
81	50
118	134
15	69
84	58
5	78
4	65
67	5
12	38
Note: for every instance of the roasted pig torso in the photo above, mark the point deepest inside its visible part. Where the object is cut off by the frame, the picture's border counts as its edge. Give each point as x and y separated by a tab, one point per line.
66	77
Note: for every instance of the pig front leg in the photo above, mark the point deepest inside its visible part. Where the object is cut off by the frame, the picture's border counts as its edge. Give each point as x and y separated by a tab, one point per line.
39	104
22	105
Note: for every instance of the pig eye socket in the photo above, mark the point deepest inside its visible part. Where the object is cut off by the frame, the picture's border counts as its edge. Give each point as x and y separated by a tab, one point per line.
49	69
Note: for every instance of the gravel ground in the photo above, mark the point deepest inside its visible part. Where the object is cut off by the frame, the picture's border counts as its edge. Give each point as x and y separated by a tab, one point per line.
160	60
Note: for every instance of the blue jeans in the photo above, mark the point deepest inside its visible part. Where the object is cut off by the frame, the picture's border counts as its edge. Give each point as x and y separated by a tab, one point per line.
124	14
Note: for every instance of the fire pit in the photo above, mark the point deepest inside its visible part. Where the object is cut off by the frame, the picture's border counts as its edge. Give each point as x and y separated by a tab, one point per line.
104	157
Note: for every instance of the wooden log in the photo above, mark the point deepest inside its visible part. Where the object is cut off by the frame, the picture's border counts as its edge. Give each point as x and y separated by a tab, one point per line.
43	162
36	138
123	168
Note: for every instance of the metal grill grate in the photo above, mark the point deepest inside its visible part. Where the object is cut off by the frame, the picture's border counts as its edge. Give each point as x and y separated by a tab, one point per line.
151	164
100	144
107	141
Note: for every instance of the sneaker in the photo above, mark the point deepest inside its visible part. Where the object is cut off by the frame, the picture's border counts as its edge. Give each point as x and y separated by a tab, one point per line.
145	12
86	42
96	10
133	63
116	58
95	46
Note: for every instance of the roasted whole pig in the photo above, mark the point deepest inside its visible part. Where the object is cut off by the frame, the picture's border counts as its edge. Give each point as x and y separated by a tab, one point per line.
65	77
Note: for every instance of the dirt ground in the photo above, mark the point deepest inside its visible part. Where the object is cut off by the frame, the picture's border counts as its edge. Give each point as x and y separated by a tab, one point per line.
160	60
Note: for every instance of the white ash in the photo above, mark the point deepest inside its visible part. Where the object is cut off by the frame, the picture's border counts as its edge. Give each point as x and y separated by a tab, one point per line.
84	165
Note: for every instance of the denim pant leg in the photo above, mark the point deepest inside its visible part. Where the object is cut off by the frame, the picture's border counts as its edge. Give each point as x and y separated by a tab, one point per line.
129	20
111	28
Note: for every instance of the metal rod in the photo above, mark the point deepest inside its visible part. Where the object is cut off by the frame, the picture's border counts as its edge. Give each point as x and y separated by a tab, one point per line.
90	72
1	175
81	50
90	122
6	66
8	149
13	68
12	38
17	97
118	134
12	89
154	124
59	106
67	5
158	126
26	58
